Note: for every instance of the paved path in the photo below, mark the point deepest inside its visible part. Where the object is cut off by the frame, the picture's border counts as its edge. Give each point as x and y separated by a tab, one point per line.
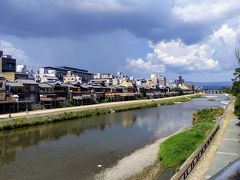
229	149
199	172
5	117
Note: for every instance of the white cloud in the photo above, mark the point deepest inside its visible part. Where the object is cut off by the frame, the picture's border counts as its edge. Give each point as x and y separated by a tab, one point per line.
215	53
141	65
176	53
20	55
205	10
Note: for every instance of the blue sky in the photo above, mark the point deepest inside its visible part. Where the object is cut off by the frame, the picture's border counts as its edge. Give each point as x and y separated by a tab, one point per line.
195	38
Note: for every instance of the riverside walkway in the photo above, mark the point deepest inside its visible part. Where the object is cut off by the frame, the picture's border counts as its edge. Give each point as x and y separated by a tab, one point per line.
224	149
5	117
229	149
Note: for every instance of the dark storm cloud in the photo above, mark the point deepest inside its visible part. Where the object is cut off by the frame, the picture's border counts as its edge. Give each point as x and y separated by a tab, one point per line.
151	20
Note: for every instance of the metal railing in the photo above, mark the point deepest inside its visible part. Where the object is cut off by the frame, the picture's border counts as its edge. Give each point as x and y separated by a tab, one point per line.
187	169
191	162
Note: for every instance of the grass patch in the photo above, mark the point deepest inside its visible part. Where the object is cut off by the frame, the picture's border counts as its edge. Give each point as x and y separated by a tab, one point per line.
155	103
26	122
175	150
32	121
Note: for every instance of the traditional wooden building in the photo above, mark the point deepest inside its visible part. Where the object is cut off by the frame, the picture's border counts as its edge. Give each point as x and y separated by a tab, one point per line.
31	92
15	91
45	88
60	89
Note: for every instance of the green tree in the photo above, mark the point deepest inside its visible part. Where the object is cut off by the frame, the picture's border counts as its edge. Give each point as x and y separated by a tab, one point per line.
236	92
236	85
179	90
236	82
237	107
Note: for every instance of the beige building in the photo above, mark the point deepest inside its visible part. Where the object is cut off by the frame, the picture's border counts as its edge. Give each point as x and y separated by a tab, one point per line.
127	83
186	86
10	76
46	79
72	78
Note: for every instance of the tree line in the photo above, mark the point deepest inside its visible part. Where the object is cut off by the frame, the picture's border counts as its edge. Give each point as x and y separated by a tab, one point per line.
235	90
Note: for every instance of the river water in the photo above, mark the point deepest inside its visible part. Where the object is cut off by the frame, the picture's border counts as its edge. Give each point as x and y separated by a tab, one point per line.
75	149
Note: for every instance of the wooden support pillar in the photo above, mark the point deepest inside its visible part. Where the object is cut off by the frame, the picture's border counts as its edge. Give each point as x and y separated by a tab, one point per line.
17	107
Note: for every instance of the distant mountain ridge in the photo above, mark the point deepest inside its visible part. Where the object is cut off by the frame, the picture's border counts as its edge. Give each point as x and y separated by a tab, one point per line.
213	85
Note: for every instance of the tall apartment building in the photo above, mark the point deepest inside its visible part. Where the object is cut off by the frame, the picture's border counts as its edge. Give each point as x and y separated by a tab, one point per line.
179	81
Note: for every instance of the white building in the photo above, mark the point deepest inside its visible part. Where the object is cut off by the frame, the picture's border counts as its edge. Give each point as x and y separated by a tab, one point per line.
103	76
157	79
115	81
106	77
21	68
171	84
140	81
46	75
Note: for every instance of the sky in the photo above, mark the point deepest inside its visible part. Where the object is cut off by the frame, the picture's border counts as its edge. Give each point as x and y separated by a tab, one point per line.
195	39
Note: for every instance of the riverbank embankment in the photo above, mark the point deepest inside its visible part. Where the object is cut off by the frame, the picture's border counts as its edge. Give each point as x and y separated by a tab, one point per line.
31	118
200	171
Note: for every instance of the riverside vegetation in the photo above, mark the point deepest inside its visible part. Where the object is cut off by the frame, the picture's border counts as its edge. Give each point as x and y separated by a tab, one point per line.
38	120
235	91
175	150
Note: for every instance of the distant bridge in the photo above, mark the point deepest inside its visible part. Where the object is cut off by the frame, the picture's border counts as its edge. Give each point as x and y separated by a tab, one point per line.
214	91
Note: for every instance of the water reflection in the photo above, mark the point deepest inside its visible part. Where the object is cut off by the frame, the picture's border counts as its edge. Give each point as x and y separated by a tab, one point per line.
11	141
73	149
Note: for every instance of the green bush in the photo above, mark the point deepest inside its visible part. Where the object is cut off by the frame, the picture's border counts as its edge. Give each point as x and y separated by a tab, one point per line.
237	106
106	100
67	103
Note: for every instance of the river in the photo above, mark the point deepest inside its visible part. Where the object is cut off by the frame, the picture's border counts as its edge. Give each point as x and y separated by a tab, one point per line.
80	149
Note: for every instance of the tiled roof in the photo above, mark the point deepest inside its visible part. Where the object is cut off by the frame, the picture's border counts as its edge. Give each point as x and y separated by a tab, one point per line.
44	85
14	84
27	81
